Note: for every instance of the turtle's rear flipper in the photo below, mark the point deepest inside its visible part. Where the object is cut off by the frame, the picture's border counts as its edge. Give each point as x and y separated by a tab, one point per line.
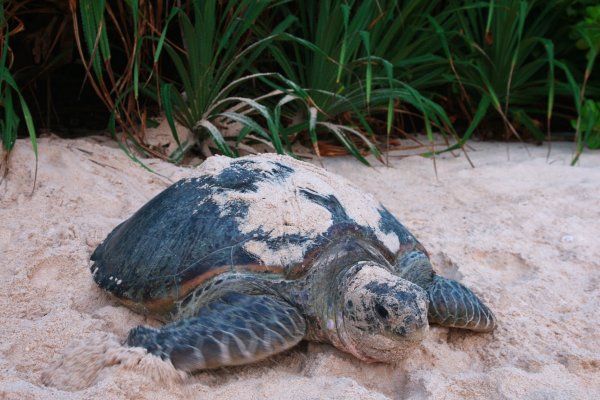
452	304
236	329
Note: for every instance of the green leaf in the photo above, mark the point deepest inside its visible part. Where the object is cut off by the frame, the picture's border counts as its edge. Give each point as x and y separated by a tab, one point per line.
246	121
345	8
338	131
12	118
215	134
163	34
165	96
522	117
369	78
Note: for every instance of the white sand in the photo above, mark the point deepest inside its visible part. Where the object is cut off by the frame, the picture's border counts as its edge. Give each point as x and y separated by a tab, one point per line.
281	210
523	232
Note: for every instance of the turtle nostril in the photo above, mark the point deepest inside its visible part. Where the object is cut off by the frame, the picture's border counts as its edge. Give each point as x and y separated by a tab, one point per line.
381	311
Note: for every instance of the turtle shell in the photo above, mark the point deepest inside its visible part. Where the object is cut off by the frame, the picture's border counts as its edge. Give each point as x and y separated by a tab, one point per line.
261	214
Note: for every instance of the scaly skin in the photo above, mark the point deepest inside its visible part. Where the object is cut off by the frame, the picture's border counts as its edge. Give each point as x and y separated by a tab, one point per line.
451	304
371	309
238	329
241	275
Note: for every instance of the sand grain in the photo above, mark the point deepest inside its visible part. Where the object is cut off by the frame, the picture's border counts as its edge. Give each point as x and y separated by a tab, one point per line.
522	232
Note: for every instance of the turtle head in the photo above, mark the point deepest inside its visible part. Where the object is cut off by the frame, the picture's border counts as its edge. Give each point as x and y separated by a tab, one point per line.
379	315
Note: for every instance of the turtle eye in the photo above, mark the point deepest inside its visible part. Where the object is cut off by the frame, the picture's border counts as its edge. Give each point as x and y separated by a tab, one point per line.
381	311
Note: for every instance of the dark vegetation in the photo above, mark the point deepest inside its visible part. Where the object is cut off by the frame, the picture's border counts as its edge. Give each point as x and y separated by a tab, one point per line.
336	76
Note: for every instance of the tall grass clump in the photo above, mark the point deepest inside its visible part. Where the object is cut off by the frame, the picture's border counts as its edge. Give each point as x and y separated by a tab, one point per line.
11	99
511	62
193	61
119	62
319	58
342	76
502	62
587	124
213	84
338	76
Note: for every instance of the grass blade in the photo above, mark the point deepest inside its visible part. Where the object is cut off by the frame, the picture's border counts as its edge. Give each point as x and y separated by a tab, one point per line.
369	78
216	136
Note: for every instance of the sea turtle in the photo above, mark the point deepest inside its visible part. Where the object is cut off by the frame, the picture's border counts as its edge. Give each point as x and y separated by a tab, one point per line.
252	255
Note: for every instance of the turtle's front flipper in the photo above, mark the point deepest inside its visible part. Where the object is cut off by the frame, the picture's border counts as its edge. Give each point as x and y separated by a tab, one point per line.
236	329
452	304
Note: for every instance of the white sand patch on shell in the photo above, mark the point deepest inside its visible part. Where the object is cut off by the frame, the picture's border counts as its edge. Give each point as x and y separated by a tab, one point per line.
279	207
522	232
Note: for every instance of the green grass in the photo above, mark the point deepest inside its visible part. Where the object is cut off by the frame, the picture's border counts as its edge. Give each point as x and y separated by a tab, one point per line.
334	58
337	65
358	72
587	125
211	66
13	111
501	59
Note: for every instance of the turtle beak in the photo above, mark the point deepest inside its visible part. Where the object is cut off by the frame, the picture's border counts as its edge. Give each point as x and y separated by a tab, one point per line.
412	328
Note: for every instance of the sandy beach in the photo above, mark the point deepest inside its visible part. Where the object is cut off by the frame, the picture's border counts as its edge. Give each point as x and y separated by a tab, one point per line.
522	230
